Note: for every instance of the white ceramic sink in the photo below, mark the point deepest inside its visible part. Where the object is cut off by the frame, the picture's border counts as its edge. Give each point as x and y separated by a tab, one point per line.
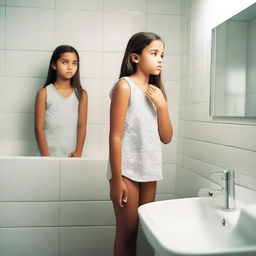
192	226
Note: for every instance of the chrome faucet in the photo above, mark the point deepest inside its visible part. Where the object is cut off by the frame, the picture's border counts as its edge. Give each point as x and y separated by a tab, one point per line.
228	188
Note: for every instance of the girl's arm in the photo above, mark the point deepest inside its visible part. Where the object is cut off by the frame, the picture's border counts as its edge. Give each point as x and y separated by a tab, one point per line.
164	124
81	126
39	122
119	104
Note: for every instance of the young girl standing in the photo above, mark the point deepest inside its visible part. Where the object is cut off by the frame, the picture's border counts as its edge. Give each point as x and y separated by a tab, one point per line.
139	121
61	107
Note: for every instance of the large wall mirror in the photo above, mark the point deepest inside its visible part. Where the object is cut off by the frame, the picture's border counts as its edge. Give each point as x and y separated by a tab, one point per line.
233	66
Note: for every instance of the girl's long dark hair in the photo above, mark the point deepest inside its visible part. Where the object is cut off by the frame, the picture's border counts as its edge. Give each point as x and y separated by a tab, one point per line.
135	45
51	77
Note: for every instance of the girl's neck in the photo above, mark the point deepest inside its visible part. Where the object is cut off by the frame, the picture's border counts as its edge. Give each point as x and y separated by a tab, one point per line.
140	78
59	83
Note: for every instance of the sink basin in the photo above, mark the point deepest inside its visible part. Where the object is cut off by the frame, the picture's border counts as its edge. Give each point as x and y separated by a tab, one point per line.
192	226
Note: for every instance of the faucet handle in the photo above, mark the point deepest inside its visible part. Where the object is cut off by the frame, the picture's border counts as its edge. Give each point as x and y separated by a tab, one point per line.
216	176
225	175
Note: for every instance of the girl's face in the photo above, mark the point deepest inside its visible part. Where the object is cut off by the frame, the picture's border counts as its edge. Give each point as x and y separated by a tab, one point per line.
66	66
151	57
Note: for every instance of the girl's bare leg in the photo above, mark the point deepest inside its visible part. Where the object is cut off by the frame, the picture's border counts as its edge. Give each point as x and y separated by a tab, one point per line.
147	192
127	222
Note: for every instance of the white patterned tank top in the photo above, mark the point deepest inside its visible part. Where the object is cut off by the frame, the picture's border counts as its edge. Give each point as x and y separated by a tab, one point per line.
61	116
141	158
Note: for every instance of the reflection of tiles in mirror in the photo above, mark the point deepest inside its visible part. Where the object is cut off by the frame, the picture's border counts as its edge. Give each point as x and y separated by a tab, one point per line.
233	82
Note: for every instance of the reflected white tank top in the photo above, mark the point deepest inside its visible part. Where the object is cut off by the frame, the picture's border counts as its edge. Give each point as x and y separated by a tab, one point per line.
61	117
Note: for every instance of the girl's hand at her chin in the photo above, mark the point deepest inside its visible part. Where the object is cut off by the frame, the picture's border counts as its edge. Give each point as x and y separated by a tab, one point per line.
74	154
118	192
156	96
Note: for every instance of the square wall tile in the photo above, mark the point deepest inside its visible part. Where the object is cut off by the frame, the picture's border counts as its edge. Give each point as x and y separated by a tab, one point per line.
107	86
171	67
90	64
96	5
93	88
87	240
85	30
20	94
104	141
83	179
112	65
168	27
167	184
2	27
28	241
2	62
199	56
123	25
31	3
29	179
34	64
172	90
200	111
19	126
200	86
165	6
29	214
1	135
169	151
21	147
93	213
38	34
125	6
2	94
92	142
2	2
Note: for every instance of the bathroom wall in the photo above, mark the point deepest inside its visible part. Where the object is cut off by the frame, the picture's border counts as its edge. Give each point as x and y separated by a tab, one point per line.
50	207
30	30
207	144
99	29
251	78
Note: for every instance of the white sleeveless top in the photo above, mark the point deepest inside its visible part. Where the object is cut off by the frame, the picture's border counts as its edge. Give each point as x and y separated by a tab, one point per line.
61	118
141	158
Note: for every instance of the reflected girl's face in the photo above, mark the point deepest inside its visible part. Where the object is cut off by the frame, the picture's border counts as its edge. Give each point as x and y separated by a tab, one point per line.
151	58
67	65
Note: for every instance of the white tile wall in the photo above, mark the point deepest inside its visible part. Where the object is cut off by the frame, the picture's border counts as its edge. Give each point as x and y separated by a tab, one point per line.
125	6
165	7
28	241
99	30
123	29
111	65
29	64
90	65
2	27
35	35
25	179
96	5
78	184
29	214
86	240
71	25
207	144
2	60
87	213
93	88
31	3
172	40
90	27
22	91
